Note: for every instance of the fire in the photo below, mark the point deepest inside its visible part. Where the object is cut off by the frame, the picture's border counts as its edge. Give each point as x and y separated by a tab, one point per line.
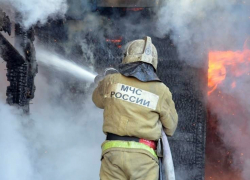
227	70
221	62
115	41
135	9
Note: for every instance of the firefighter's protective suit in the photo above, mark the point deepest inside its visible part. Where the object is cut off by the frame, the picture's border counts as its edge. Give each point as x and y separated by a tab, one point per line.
136	104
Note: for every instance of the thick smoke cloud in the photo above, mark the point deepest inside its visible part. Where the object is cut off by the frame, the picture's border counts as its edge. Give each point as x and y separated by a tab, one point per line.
199	26
15	161
60	139
33	11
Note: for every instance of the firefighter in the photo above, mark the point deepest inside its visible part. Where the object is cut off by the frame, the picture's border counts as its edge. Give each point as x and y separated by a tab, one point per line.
137	106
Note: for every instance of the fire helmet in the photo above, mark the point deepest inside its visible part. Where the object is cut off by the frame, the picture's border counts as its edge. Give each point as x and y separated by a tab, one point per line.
141	50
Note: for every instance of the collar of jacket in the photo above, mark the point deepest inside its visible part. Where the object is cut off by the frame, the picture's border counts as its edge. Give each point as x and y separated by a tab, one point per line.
140	70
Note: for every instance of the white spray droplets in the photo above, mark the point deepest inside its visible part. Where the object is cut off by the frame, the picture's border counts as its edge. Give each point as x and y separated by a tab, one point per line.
61	64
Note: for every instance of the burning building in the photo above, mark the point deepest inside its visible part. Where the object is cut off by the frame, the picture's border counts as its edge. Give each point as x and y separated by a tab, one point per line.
227	72
95	38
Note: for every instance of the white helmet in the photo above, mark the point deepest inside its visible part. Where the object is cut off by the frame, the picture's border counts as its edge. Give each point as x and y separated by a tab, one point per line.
141	50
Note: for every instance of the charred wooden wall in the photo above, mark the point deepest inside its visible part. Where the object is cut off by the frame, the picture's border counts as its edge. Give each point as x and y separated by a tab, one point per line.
21	67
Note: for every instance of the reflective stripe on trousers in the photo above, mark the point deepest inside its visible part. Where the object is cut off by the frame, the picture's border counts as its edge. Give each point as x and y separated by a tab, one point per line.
127	144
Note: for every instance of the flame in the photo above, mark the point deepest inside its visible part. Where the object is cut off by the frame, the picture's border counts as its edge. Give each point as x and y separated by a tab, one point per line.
226	69
135	9
221	62
115	41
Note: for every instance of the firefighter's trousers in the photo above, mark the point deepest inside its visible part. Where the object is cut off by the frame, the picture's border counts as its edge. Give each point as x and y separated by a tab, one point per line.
125	165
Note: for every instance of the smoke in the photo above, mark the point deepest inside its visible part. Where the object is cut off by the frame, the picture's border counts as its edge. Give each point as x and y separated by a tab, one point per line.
78	8
199	26
3	69
34	11
15	161
60	139
231	106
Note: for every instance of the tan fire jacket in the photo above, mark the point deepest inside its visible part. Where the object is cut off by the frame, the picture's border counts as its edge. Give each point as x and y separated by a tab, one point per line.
135	108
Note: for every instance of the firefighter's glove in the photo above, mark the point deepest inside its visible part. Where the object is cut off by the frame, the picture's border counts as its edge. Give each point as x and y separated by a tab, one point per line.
110	70
107	71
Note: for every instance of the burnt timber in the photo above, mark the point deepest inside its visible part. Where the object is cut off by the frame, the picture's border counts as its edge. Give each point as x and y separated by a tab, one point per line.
21	70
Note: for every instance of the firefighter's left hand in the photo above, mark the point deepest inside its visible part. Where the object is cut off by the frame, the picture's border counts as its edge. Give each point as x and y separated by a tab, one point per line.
107	71
98	78
110	70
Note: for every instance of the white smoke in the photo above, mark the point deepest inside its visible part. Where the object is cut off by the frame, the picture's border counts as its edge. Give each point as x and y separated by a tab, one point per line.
197	27
15	158
34	11
60	139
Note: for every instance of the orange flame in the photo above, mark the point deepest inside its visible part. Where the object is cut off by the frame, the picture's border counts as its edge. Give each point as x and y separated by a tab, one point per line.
118	40
221	62
222	65
115	41
135	9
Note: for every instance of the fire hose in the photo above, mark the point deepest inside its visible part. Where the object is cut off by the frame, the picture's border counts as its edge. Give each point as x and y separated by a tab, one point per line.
166	164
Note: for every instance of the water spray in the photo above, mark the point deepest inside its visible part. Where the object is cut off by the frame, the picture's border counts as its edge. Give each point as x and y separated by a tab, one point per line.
62	64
